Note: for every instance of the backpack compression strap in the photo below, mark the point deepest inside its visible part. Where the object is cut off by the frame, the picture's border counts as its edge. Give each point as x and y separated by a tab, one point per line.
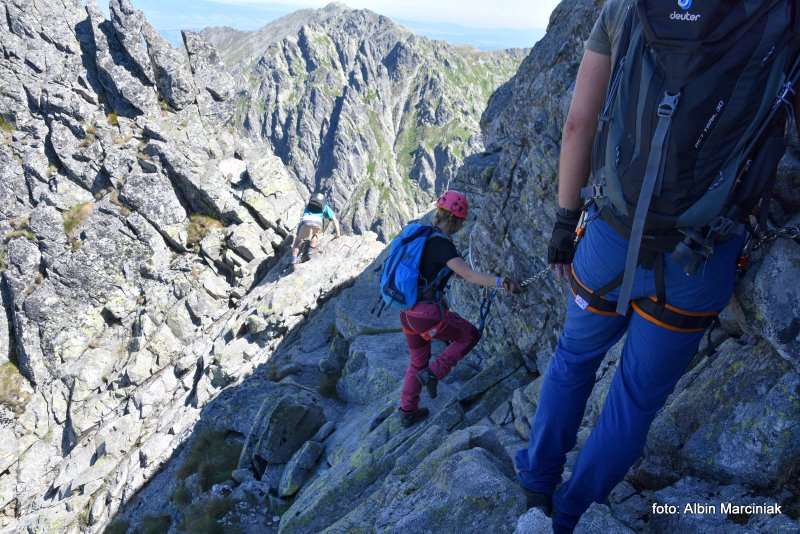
652	180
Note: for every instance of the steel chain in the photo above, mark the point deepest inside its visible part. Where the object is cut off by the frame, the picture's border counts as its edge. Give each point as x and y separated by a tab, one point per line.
786	232
535	278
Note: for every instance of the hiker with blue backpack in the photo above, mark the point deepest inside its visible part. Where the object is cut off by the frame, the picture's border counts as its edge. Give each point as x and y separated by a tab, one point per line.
421	261
678	115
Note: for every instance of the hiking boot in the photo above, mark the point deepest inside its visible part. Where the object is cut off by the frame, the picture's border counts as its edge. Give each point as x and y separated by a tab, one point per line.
429	380
408	419
542	501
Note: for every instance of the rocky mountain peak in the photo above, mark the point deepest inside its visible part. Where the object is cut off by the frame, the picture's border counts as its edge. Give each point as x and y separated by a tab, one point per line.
336	6
359	107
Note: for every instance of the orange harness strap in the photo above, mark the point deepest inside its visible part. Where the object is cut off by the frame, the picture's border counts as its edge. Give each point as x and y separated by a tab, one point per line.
428	334
661	314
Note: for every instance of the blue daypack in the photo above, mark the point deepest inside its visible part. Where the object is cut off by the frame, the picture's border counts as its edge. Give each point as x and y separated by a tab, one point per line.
400	279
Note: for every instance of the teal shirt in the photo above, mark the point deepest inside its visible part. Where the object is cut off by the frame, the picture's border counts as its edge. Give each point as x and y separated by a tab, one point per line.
317	218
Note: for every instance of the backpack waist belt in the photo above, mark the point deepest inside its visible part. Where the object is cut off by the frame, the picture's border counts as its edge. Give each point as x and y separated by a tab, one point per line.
650	308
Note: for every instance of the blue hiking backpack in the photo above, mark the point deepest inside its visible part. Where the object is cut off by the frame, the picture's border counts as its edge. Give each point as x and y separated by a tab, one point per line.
400	280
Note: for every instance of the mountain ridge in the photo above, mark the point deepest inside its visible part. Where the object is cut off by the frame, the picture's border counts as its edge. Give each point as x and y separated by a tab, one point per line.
352	100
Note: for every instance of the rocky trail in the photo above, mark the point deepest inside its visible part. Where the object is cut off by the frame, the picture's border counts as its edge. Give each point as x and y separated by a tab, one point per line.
162	371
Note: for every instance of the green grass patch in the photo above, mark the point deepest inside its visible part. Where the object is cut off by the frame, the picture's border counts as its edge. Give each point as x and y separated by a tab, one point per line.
181	496
158	524
113	118
203	518
23	232
13	393
6	125
76	216
212	457
371	96
242	106
118	526
199	227
412	136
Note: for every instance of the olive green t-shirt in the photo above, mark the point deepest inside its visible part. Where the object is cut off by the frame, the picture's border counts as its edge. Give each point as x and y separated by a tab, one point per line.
608	27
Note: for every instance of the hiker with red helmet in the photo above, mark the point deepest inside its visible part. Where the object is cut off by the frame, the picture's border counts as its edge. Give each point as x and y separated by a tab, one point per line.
429	317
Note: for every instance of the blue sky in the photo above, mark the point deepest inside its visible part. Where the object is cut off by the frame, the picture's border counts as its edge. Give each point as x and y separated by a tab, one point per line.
486	25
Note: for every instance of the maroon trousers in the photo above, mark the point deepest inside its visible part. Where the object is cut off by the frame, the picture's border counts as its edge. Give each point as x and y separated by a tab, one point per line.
424	322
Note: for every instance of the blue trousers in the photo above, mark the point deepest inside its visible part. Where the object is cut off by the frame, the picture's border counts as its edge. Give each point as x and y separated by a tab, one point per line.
653	359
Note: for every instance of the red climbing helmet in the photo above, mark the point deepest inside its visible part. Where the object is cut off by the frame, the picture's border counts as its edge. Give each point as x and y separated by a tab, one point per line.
455	203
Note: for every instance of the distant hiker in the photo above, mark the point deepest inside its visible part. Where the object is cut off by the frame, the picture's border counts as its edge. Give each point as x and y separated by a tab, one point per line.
687	138
417	284
312	224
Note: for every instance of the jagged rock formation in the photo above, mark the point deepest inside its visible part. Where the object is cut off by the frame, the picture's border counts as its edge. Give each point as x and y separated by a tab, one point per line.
361	108
133	222
729	433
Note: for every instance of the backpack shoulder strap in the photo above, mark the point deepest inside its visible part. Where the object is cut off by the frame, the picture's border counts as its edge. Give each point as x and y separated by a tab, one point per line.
436	232
422	231
625	37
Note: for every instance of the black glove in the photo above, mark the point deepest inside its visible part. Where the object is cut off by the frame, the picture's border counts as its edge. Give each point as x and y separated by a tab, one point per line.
561	248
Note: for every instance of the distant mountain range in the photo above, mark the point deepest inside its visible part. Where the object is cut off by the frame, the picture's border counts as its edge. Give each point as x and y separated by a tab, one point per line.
482	39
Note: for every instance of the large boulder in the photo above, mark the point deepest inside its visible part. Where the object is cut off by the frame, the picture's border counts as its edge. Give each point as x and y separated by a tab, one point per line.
423	475
374	369
276	198
732	418
299	468
356	313
534	521
466	492
598	518
118	71
152	196
292	421
215	86
245	240
770	298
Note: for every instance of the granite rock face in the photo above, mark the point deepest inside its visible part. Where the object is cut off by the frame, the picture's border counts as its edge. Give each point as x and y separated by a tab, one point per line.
133	223
361	108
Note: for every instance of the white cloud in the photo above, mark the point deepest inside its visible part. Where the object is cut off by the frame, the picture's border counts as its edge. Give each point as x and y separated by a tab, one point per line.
492	14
